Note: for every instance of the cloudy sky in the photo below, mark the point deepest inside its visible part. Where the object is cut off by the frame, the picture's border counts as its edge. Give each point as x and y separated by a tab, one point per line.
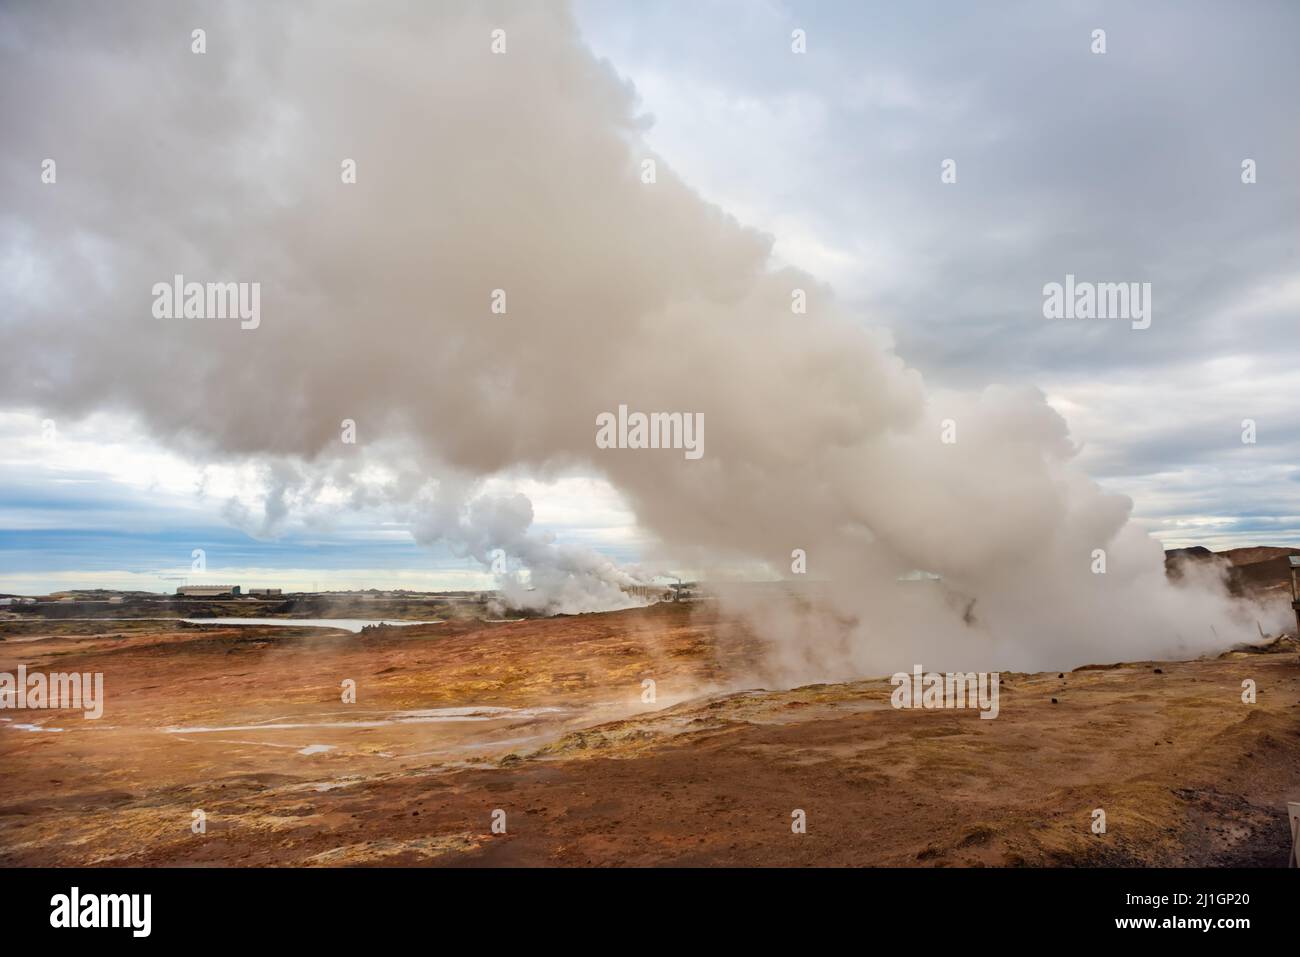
1115	167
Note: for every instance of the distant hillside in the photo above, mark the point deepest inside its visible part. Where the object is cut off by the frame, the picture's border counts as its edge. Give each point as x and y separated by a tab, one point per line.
1196	553
1254	554
1259	570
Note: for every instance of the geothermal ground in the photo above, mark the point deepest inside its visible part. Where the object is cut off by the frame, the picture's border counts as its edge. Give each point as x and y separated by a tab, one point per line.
543	719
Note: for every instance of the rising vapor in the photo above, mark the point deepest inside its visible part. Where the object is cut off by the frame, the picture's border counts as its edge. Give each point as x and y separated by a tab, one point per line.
522	172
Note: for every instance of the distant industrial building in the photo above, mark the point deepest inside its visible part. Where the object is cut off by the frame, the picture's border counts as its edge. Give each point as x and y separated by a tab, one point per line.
649	592
677	591
265	592
208	591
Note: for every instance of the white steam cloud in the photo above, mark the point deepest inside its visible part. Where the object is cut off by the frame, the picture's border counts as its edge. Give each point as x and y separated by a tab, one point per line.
520	171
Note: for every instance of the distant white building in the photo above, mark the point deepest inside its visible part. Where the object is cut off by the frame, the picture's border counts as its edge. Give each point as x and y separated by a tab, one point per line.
208	591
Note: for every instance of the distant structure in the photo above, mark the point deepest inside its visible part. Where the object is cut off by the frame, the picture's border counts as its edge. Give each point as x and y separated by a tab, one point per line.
677	591
208	591
683	591
265	592
1294	563
649	592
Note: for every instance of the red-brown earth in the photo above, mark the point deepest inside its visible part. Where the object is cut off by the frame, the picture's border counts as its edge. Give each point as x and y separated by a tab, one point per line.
587	773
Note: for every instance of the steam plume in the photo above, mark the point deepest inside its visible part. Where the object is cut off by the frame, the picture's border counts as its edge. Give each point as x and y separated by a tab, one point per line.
520	172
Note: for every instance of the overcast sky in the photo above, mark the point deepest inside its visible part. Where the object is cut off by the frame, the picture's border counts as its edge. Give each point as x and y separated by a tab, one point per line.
1115	167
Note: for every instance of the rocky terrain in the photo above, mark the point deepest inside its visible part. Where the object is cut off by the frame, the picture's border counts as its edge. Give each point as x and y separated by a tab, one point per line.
547	722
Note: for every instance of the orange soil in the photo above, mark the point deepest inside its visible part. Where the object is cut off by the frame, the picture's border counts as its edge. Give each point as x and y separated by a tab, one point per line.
708	774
